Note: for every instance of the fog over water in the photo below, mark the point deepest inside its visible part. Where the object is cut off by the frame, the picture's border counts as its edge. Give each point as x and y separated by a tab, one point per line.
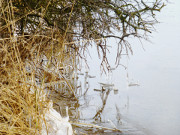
153	108
156	103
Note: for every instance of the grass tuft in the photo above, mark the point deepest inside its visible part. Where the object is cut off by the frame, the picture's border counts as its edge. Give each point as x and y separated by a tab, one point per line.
31	67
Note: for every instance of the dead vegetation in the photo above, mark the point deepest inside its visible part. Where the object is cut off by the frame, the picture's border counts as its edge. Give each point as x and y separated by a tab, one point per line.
38	55
30	66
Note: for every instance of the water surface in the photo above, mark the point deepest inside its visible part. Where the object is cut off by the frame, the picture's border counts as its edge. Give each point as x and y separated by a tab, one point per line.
153	107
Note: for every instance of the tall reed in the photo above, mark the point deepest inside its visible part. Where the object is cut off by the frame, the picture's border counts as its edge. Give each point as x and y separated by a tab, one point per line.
31	67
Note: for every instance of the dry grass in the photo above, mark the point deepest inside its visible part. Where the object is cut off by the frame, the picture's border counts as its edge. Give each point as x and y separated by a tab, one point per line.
21	112
30	66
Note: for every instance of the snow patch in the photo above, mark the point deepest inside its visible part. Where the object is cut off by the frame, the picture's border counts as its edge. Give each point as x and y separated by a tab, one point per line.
55	124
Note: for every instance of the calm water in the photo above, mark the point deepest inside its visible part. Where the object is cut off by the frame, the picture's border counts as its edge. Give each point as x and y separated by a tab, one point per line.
153	107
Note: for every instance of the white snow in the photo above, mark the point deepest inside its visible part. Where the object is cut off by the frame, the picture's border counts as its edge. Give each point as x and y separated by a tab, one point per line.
55	124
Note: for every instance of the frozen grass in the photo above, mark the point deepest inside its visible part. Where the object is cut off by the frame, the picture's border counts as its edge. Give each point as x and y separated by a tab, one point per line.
30	67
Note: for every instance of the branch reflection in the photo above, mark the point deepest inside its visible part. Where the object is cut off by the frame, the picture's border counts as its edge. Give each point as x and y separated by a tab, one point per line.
104	95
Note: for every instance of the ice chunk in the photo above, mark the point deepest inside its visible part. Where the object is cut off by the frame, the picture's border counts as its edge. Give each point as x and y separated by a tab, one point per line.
55	123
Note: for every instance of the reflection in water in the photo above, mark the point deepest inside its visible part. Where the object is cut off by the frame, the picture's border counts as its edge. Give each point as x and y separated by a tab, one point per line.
118	115
150	109
93	124
153	107
86	83
104	95
61	101
84	115
101	97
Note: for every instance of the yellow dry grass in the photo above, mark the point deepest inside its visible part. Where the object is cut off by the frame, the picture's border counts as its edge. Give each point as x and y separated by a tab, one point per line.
30	65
